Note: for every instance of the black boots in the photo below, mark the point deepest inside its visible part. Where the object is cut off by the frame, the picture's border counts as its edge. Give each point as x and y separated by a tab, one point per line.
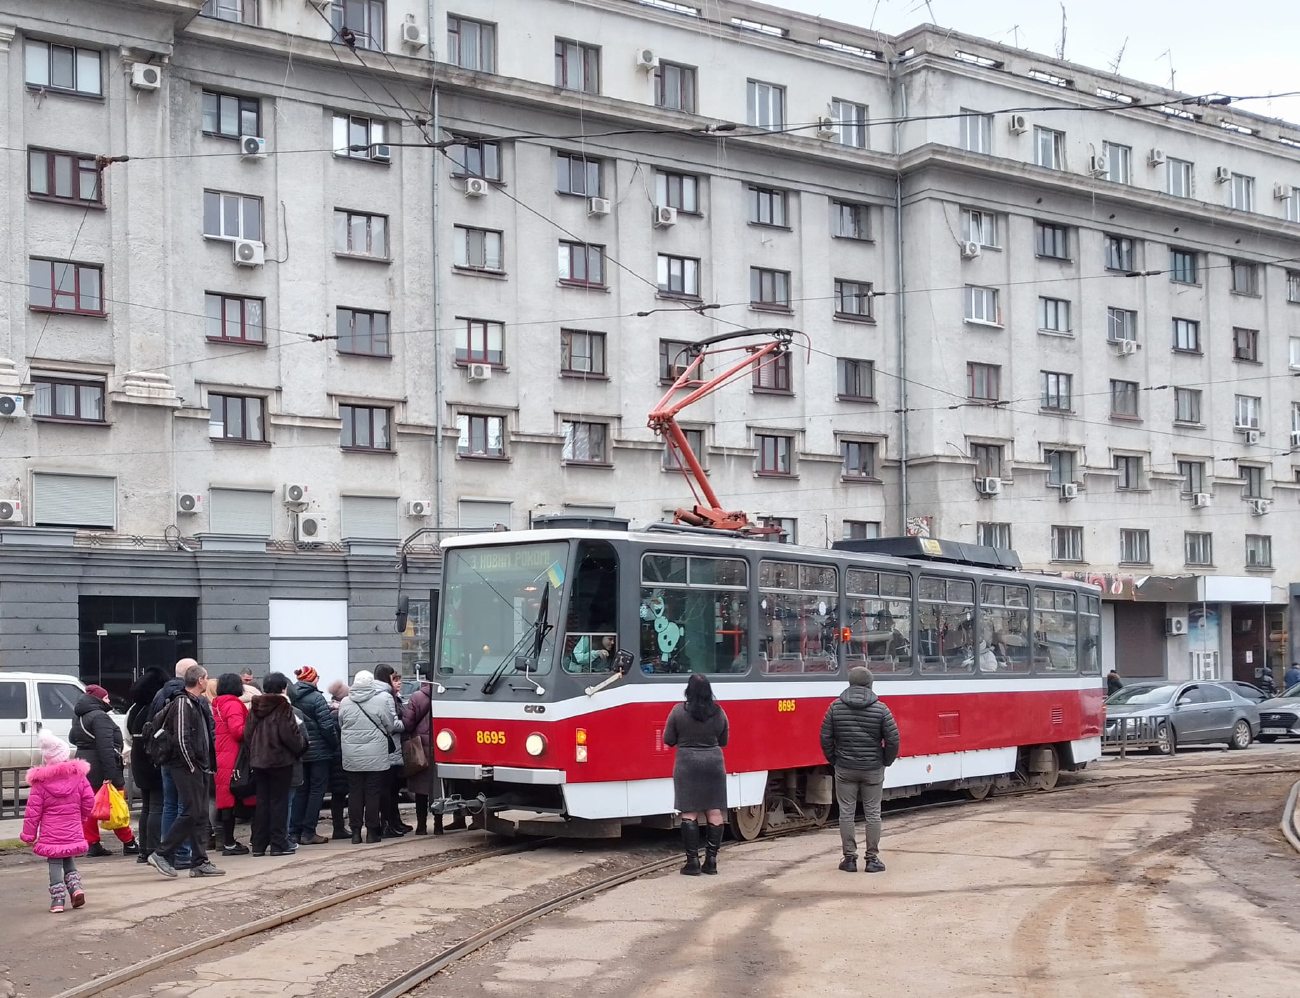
712	842
691	843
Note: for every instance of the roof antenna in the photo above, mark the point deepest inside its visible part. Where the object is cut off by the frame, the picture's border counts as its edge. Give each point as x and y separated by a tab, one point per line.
1114	66
1060	49
1169	53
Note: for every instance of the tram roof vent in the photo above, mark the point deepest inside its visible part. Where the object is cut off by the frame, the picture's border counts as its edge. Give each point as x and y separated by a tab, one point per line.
579	521
664	527
929	549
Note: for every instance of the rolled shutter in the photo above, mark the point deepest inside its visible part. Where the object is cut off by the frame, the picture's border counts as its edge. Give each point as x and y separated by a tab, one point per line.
75	501
239	511
369	517
476	513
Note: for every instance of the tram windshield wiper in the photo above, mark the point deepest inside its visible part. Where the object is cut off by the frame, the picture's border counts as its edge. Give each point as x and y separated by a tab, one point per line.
537	630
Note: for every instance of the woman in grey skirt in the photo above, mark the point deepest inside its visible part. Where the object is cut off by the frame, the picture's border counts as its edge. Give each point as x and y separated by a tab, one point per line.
698	730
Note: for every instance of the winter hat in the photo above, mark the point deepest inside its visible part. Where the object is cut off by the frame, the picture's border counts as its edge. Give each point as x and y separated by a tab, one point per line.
363	679
54	748
98	692
860	675
307	674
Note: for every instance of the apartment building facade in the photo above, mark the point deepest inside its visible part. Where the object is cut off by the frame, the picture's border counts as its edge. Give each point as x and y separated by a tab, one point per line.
288	282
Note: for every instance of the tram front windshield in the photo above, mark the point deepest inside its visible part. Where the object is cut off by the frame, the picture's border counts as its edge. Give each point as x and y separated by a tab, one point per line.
491	598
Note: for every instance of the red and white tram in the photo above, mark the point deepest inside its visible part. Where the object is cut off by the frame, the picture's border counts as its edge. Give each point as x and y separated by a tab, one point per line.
560	651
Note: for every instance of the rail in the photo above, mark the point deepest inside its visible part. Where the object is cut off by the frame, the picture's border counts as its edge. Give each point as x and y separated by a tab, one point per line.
1138	733
13	792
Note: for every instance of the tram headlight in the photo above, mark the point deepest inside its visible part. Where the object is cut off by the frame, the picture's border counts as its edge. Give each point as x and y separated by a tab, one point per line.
535	744
445	740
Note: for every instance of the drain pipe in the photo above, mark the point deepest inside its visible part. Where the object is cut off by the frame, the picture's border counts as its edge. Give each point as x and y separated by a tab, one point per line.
437	325
900	307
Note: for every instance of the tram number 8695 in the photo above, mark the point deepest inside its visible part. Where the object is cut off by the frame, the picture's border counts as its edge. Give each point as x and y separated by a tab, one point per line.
490	737
785	706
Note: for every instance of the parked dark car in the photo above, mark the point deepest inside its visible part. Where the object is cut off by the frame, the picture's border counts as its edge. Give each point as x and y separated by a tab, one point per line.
1197	713
1280	717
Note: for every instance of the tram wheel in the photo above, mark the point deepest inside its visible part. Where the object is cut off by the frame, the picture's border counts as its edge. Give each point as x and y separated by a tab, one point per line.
817	813
1046	780
980	791
747	823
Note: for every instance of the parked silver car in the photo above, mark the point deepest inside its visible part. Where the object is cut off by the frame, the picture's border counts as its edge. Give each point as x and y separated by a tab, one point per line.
1197	713
1280	717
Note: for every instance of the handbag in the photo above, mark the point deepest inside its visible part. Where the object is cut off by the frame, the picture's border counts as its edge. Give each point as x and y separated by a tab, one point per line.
414	760
119	810
392	745
241	776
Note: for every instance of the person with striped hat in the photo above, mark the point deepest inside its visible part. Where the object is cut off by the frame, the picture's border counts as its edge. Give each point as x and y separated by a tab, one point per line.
322	744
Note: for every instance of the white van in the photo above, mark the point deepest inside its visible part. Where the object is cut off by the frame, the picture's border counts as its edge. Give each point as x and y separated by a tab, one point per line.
32	702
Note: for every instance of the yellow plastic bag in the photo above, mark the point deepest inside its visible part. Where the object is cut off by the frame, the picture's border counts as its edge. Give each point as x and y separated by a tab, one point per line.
120	813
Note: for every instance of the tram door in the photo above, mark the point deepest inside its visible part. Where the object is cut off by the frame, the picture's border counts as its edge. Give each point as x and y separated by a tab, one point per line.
591	629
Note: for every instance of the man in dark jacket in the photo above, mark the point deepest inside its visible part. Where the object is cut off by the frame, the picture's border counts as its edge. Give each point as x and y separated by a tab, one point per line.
276	742
99	741
860	739
171	806
322	743
1113	683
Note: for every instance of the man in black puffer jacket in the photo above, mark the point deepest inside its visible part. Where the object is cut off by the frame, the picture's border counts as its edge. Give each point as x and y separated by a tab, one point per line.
322	742
860	739
99	741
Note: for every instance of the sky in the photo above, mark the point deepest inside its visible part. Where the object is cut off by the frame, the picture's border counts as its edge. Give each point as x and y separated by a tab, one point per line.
1212	50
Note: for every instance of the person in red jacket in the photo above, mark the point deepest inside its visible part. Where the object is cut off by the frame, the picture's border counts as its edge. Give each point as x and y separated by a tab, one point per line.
231	715
58	807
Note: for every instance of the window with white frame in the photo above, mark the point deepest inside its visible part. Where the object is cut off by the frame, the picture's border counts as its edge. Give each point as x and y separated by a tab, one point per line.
1124	398
853	299
1053	315
471	44
994	535
1187	336
585	443
62	67
1049	148
850	123
479	341
361	20
1135	547
850	221
1293	351
357	233
976	131
480	436
677	190
1242	190
1246	409
1129	468
679	275
357	137
1119	253
1056	391
1121	324
231	216
1292	204
476	249
982	305
1295	417
765	104
1067	543
1198	548
983	382
1259	551
1192	474
582	352
1118	160
1052	240
1060	466
577	66
979	227
1178	178
1187	405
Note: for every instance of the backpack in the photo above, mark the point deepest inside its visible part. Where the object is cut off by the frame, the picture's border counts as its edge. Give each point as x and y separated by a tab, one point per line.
159	737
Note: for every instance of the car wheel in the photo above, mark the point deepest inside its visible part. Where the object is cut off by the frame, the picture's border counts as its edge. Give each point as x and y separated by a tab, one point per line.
1241	737
1166	740
1267	739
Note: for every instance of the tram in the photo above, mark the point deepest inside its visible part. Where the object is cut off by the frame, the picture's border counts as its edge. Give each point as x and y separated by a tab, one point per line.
561	649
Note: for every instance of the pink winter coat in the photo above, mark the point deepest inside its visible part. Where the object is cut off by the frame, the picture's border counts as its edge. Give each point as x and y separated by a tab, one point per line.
58	805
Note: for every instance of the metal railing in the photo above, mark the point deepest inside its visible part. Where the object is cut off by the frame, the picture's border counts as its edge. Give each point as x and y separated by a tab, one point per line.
1137	733
13	792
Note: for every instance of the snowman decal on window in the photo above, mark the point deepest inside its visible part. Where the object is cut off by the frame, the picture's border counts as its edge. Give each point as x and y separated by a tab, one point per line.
668	633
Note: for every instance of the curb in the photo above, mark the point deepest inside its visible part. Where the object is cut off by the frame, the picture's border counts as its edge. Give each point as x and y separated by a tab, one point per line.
1289	824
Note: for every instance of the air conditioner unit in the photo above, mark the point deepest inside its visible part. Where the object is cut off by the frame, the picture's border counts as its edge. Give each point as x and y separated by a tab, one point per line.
1260	506
646	59
665	216
825	127
1222	174
597	206
1125	348
189	502
252	147
295	493
413	34
311	528
12	407
988	486
476	187
1201	500
1282	191
419	507
249	253
381	153
479	372
970	249
145	76
11	511
1156	157
1017	124
1175	625
1098	166
1070	490
1251	437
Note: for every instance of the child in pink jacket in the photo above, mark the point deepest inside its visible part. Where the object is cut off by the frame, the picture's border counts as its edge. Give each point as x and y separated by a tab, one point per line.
58	805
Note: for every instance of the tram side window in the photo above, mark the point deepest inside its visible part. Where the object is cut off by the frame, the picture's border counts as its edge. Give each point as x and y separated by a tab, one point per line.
694	614
591	631
945	625
1056	639
798	617
1090	635
879	615
1004	628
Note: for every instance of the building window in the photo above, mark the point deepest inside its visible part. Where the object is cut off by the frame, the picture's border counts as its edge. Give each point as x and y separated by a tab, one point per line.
1124	398
362	19
577	66
366	427
674	357
850	221
356	137
584	443
1182	266
63	176
362	332
857	379
982	305
1193	476
694	440
994	535
786	529
774	454
234	319
1245	344
1198	548
237	11
1130	473
1245	278
859	459
62	67
229	116
1118	160
1057	391
765	103
1067	543
1187	405
575	174
976	131
1253	476
767	207
1053	315
63	286
1243	192
231	216
582	352
1259	551
1135	547
236	417
1060	467
472	44
675	87
359	234
861	530
679	275
1119	253
72	401
477	249
678	190
988	460
979	227
773	373
1246	409
475	158
1293	276
1049	148
1187	336
1051	241
582	264
850	123
853	299
479	341
1293	348
481	436
983	382
1292	204
1178	174
1121	325
769	288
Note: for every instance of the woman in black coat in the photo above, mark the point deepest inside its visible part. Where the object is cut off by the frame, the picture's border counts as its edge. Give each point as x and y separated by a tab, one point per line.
147	776
99	741
698	730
